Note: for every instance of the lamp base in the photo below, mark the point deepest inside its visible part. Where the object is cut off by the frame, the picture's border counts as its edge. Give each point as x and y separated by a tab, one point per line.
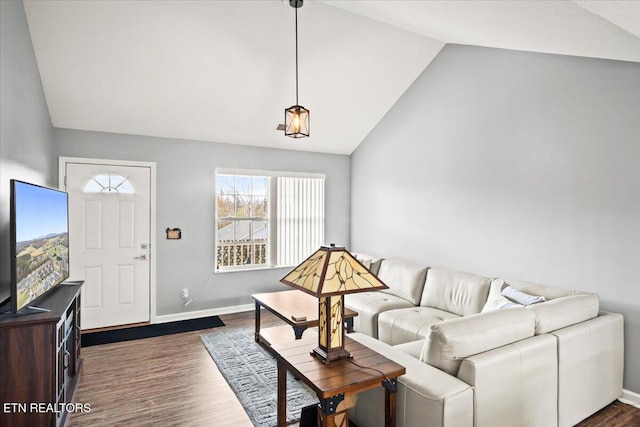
331	355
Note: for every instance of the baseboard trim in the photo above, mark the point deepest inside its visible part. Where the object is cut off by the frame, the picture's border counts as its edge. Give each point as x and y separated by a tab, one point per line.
204	313
630	398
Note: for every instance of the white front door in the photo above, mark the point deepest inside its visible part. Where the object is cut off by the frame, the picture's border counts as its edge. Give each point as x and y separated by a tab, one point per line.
109	229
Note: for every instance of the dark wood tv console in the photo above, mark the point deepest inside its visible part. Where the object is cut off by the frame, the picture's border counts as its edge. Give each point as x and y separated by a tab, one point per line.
40	361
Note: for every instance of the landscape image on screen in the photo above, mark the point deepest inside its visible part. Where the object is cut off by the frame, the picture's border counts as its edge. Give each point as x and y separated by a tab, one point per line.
42	241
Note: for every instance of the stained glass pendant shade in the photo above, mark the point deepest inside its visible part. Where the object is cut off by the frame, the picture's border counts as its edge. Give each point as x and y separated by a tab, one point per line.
329	274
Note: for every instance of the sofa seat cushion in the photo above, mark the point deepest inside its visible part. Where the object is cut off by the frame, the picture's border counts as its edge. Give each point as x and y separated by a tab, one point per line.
455	291
405	280
369	305
452	341
412	348
565	311
409	324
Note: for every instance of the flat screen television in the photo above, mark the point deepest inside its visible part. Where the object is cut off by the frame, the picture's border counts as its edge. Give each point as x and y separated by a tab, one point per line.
39	242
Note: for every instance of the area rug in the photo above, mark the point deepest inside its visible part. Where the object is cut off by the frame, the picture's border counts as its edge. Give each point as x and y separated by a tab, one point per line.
252	374
149	331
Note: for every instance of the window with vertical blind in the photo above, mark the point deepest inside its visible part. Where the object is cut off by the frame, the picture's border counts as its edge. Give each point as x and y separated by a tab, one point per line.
300	218
267	219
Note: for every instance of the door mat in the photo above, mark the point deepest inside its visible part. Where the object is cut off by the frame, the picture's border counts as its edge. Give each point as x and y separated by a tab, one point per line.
149	331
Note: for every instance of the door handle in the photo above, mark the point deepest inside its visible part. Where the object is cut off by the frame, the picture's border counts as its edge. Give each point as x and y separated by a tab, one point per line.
142	257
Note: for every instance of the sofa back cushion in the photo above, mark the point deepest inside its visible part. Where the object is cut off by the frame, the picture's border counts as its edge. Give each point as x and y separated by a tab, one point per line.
405	280
455	291
565	311
370	262
451	341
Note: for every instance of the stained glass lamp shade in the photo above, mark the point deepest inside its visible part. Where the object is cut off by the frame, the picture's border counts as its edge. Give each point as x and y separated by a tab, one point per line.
329	274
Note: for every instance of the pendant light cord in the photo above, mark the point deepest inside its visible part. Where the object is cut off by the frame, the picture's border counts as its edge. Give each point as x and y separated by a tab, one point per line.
297	56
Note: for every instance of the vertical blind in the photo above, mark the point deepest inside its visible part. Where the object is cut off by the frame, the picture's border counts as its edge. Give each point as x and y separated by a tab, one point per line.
300	218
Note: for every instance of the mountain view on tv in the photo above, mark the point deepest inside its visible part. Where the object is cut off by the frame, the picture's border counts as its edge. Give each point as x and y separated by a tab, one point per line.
42	240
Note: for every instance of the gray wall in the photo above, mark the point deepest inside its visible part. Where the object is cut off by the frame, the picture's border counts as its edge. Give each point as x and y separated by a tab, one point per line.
186	199
26	134
516	165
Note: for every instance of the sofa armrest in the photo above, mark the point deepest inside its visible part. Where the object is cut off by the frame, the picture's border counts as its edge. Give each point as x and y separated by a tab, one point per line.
451	341
426	396
515	385
565	311
412	348
590	367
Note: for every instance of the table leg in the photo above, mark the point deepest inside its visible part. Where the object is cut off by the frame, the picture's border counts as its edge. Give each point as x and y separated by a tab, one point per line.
298	331
282	394
257	334
349	323
328	420
329	410
390	403
340	419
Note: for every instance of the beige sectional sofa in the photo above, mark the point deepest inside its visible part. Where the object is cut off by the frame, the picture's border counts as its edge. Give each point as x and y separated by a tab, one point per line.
472	363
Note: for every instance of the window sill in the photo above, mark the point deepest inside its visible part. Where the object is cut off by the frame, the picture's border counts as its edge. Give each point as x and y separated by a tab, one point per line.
256	268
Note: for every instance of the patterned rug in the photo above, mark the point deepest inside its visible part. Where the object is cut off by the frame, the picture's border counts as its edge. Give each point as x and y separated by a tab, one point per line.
252	374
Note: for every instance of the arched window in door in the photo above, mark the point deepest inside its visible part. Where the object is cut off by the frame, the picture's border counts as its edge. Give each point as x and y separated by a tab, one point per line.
109	183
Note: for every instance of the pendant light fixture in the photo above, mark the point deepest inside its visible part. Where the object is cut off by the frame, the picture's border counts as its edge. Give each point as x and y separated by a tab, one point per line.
296	117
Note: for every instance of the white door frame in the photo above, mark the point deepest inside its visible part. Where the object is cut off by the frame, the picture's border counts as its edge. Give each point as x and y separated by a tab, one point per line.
62	167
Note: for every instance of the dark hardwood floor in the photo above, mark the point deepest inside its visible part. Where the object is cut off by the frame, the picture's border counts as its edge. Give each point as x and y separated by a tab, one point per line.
172	381
163	381
616	414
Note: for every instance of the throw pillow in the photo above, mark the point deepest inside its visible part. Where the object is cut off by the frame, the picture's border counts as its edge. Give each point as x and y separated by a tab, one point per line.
499	303
495	300
519	296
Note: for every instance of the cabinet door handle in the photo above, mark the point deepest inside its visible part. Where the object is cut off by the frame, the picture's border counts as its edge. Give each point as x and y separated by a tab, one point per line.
67	358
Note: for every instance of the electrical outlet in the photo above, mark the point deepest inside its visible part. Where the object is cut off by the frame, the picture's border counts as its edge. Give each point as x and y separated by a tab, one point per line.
185	293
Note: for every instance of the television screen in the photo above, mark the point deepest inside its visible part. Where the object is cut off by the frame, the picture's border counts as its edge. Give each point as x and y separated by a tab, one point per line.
39	241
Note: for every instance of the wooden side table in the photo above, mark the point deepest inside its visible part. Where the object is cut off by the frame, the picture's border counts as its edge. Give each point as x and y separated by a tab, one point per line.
294	303
338	383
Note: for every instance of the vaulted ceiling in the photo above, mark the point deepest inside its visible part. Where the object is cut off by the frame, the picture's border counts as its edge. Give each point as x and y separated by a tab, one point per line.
223	71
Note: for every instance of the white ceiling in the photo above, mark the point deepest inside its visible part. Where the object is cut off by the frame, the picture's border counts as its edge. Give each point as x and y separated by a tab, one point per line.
223	71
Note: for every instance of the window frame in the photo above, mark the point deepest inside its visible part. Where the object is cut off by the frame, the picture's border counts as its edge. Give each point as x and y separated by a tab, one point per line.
128	188
272	200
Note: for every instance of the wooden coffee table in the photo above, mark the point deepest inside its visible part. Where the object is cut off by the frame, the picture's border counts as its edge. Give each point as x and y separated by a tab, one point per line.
337	383
289	304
